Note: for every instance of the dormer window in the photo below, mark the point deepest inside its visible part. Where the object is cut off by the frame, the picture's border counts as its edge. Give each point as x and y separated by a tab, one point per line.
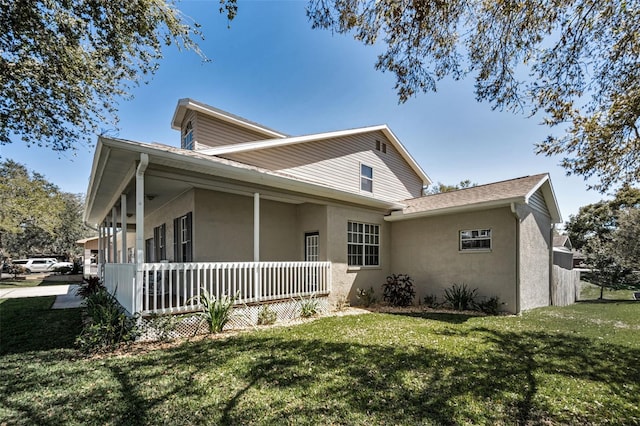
187	137
366	178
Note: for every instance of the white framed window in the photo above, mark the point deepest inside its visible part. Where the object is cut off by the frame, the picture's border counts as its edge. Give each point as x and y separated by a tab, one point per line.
160	238
182	234
187	136
363	244
366	178
475	239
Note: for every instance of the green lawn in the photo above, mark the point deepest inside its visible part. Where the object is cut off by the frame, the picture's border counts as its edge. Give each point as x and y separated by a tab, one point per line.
573	365
35	281
591	292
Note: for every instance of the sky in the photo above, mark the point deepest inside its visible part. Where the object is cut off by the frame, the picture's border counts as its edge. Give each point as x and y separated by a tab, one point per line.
270	67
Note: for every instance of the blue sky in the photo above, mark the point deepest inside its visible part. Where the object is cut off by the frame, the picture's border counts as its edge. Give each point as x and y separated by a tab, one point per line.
272	68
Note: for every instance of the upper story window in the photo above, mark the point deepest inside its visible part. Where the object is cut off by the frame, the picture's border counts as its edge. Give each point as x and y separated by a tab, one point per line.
187	136
475	239
366	178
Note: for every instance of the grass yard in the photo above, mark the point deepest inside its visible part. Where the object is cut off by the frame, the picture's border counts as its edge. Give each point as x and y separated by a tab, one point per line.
591	292
573	365
36	280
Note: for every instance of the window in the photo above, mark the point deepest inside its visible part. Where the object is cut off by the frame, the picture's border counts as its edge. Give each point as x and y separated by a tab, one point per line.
475	239
160	238
363	244
149	251
381	146
187	136
182	232
366	178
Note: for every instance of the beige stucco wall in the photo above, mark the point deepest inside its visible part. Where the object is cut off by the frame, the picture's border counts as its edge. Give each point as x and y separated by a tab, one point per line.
346	280
535	265
312	218
177	207
428	250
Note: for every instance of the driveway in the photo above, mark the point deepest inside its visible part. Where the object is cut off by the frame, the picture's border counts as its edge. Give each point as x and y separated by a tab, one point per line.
65	294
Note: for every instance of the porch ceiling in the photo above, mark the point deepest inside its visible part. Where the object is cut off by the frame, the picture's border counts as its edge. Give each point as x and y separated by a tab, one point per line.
171	173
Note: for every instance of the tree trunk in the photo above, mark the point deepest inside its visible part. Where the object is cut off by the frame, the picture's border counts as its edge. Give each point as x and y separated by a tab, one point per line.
601	292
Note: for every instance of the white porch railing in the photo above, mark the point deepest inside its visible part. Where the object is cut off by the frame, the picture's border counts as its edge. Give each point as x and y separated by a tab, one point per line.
176	287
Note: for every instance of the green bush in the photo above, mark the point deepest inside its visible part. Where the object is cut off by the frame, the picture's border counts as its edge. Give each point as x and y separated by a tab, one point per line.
308	306
431	301
398	290
461	298
490	306
366	297
216	312
108	323
89	286
267	316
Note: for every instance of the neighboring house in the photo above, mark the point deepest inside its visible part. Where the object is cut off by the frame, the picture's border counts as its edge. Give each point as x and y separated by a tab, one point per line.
562	251
243	209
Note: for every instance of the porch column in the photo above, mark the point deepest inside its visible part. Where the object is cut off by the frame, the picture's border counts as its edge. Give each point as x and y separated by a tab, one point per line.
256	246
100	258
139	278
256	227
114	228
123	220
107	248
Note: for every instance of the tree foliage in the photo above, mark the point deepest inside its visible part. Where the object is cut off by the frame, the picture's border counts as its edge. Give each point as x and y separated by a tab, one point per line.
608	233
35	216
574	61
442	187
65	64
599	220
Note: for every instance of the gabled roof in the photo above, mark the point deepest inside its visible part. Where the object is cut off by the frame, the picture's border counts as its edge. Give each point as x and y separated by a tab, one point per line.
272	143
187	104
491	195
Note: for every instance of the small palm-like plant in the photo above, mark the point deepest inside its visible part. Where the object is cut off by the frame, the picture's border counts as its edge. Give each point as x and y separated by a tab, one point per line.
216	311
309	306
460	297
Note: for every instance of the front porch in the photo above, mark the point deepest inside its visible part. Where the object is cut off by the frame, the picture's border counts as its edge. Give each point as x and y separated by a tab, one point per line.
172	288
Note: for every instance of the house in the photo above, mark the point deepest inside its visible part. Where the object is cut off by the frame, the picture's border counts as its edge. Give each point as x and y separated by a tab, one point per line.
563	251
243	209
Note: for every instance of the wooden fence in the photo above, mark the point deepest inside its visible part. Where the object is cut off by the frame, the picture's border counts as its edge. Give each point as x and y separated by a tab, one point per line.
565	286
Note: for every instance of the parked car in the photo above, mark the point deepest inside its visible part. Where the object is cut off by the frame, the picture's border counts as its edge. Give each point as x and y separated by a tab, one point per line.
45	264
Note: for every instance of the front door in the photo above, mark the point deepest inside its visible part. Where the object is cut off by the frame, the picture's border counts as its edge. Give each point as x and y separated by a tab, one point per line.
311	240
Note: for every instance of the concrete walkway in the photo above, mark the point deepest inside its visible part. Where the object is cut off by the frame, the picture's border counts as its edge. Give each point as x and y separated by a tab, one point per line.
65	294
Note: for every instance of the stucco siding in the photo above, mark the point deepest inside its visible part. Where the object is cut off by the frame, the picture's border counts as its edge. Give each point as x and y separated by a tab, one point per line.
345	279
224	225
313	218
428	250
336	163
535	260
177	207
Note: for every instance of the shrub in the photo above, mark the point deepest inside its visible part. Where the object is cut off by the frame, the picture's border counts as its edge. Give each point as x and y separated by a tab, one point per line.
308	306
266	316
366	297
108	323
460	298
490	306
216	311
89	286
431	301
342	303
398	290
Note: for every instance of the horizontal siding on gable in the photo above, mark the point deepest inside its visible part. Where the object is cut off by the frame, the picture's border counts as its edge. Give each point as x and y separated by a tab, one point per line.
336	163
536	201
211	132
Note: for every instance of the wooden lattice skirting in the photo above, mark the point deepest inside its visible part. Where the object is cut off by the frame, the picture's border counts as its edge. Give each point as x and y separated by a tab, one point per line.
174	326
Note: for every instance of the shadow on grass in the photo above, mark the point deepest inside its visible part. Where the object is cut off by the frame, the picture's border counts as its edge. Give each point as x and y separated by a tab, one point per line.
29	324
607	301
448	317
302	376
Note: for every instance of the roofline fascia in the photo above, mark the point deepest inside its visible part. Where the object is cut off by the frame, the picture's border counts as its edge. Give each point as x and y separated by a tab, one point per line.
190	104
397	216
256	177
88	204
